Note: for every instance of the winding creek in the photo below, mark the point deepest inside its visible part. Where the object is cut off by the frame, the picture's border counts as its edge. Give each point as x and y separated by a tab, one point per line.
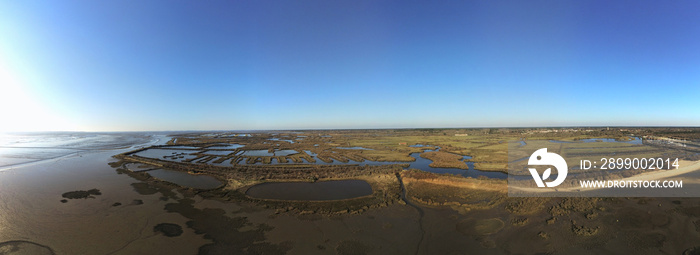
408	202
424	165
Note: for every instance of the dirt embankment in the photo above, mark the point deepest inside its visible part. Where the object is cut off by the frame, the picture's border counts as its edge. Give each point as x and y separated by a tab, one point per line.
462	194
454	181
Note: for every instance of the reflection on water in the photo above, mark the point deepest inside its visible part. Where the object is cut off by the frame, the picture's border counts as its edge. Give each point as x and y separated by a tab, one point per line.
424	165
22	148
227	147
284	152
220	153
277	139
326	190
266	153
635	140
12	155
258	153
182	147
166	154
353	148
77	140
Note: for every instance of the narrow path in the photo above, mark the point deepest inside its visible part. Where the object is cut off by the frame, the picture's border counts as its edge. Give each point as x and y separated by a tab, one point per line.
420	212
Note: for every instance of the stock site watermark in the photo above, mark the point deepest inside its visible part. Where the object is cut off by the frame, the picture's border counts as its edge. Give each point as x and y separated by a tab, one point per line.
596	169
632	184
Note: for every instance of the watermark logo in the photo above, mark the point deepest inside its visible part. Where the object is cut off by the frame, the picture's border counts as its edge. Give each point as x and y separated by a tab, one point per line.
541	158
603	169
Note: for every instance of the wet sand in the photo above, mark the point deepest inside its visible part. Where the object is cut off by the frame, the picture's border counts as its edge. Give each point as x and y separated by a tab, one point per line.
31	210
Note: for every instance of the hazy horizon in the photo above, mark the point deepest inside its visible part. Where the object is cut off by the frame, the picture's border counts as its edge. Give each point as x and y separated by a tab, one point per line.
330	129
186	66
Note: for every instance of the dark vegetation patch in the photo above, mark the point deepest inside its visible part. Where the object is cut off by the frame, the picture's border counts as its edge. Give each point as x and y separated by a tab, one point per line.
78	194
168	229
579	204
230	235
154	186
526	205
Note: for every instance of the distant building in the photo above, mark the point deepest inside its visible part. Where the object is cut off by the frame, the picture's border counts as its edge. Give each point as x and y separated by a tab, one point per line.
402	143
461	134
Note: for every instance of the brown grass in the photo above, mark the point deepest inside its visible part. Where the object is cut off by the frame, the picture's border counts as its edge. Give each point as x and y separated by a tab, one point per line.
445	159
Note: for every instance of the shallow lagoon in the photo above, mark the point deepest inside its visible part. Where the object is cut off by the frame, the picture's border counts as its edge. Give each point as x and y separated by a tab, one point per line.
636	140
220	153
226	146
266	153
353	148
166	154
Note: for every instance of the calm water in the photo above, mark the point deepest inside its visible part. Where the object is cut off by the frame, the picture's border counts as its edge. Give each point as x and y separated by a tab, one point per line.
326	190
25	148
167	154
636	140
183	147
258	153
277	139
227	146
266	153
353	148
285	152
424	165
220	153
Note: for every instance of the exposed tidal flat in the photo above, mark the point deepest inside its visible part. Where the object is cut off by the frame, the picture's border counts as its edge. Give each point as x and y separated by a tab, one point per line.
124	205
32	210
314	191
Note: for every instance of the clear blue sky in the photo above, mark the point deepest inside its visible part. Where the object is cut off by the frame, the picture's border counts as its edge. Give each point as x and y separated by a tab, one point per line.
209	65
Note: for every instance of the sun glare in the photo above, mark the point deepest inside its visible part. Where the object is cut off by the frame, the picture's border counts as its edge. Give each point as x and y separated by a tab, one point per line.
20	111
